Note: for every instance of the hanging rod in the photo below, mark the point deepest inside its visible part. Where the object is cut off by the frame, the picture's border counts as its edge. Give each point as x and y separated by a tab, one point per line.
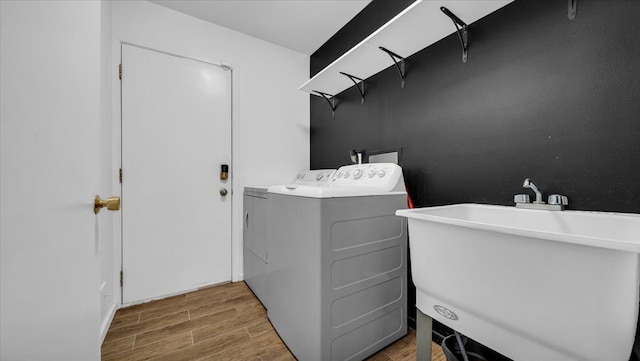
573	9
331	99
357	81
400	63
462	29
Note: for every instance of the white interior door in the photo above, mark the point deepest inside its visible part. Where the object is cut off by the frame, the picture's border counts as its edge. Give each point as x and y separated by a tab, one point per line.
176	134
50	166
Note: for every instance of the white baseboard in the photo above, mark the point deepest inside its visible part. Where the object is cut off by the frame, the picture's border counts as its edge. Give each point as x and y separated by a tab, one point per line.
106	322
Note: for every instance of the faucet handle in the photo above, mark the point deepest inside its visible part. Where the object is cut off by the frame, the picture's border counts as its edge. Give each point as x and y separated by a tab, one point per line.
521	198
558	199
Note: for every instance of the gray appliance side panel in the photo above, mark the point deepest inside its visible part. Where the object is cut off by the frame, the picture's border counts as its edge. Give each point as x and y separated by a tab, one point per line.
294	297
364	275
257	221
255	241
255	275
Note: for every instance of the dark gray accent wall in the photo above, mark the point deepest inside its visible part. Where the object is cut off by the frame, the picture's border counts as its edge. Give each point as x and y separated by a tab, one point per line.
541	97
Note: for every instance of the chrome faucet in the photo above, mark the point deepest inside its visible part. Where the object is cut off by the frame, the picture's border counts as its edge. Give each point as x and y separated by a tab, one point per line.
529	184
556	201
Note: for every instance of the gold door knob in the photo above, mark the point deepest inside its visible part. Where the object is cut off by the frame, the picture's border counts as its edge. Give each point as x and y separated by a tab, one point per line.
112	204
223	192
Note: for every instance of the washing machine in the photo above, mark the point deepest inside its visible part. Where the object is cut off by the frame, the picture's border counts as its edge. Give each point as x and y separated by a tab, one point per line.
338	263
256	249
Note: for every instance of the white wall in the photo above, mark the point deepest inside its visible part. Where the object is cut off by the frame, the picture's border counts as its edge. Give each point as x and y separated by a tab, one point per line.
270	116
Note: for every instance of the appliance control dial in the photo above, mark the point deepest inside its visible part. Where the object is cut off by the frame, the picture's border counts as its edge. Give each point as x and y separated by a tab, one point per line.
346	174
339	175
371	173
357	174
319	176
381	173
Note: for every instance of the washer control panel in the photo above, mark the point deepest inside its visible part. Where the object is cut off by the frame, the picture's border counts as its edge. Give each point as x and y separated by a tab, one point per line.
348	181
370	174
319	176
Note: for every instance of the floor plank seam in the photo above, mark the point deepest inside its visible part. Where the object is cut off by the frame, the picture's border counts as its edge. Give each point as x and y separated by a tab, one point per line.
228	316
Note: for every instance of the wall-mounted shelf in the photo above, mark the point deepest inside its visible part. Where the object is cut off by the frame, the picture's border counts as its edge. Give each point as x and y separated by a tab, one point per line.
418	26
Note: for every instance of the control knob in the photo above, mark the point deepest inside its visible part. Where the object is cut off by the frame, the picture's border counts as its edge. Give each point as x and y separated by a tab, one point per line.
357	174
381	173
371	173
319	176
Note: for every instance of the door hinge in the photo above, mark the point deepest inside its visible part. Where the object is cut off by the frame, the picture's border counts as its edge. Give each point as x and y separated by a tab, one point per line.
121	279
120	175
120	71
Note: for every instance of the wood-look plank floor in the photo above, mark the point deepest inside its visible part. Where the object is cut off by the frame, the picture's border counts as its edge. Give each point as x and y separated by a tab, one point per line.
225	322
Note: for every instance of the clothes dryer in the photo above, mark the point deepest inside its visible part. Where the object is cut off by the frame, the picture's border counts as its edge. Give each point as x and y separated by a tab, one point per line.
338	263
256	248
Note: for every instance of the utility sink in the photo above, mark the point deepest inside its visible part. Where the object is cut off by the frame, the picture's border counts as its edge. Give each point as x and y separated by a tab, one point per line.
531	284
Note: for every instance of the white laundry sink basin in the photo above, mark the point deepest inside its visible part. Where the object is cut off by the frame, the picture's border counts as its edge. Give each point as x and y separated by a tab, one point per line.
531	284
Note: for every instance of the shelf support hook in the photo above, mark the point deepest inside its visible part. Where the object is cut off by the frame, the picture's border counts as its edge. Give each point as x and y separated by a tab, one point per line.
358	82
573	9
462	29
331	99
400	63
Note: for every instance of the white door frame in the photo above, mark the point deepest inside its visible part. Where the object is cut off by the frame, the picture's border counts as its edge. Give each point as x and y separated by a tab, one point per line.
117	156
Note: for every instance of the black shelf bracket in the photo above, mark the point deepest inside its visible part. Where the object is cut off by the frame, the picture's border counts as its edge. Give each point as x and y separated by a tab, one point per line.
573	9
331	99
400	63
358	82
462	29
